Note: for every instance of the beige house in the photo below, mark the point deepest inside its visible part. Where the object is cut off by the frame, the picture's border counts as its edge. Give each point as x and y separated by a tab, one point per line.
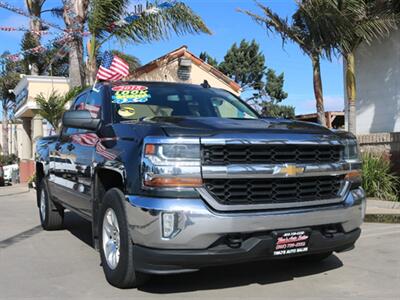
181	65
33	126
29	126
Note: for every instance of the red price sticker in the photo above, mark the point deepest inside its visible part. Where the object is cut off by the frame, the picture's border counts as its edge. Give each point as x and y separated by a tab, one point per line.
129	88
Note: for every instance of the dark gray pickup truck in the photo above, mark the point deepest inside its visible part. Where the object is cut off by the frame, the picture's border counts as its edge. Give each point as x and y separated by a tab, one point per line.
176	177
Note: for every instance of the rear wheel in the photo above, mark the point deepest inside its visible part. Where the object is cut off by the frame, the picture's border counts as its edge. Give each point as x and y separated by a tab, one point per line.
51	215
116	248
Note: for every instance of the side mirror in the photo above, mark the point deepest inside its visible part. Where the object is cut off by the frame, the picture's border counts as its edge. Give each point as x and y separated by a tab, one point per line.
81	119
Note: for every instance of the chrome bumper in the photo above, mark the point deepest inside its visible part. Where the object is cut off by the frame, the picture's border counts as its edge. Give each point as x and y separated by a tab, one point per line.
197	226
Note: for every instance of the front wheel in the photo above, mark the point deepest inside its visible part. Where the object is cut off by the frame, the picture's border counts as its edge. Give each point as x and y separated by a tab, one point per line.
116	248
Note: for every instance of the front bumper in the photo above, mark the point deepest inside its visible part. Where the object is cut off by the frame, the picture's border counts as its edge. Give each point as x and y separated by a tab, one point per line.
197	226
258	247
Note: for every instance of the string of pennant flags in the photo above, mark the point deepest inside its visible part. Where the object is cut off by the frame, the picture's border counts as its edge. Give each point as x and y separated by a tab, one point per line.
24	29
67	35
22	12
132	17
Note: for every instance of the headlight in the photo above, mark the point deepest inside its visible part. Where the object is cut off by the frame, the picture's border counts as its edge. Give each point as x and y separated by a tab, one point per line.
172	164
351	150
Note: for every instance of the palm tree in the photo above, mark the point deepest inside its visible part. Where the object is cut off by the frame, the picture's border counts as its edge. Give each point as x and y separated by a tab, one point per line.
368	20
179	18
311	31
9	77
35	9
53	107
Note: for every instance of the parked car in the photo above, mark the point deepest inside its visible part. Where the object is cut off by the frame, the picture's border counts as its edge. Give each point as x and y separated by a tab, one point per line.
10	173
177	177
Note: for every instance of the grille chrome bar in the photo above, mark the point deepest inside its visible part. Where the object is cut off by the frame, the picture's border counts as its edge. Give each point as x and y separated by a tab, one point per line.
245	207
273	171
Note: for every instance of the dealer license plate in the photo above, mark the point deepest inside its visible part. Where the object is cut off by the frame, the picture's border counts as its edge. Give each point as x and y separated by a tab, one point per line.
291	242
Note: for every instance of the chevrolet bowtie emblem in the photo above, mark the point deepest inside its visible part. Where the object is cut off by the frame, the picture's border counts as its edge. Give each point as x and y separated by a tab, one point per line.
289	170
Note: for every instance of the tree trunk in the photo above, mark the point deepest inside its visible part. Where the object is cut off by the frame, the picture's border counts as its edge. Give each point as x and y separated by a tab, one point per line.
76	64
75	16
35	8
92	67
351	92
318	90
5	129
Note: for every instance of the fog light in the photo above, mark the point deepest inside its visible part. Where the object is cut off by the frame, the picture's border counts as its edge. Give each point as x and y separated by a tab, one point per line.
363	208
168	224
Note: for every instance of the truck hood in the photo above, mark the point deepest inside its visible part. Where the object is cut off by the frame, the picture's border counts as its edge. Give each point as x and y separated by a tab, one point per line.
189	126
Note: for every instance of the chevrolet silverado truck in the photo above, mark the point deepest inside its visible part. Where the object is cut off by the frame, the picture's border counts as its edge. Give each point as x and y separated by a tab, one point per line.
177	177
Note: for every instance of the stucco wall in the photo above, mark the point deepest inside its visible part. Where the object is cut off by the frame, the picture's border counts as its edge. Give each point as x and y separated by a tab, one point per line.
378	86
198	75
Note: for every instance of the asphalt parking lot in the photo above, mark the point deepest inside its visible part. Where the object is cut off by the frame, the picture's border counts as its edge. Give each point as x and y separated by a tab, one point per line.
63	264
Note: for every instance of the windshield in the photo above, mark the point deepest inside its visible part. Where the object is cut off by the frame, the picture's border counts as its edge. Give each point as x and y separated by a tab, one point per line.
146	100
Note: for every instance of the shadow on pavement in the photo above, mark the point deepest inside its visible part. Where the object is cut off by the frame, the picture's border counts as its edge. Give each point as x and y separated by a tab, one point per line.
263	272
79	227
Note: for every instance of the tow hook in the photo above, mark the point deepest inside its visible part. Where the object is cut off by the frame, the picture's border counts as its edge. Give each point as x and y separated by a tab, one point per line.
234	241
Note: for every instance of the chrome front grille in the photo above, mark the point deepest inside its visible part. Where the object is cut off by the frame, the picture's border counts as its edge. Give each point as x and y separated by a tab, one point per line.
245	174
218	155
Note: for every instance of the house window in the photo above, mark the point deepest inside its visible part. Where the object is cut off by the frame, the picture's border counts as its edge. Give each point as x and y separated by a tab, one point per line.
184	68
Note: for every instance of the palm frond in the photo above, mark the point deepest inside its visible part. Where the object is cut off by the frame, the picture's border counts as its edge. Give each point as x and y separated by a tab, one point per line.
179	19
274	23
366	20
102	13
52	107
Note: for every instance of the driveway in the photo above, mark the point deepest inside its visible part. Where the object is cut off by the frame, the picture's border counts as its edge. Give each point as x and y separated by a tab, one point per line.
63	264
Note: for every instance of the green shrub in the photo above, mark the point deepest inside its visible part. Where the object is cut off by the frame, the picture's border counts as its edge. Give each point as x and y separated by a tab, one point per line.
378	181
275	110
8	160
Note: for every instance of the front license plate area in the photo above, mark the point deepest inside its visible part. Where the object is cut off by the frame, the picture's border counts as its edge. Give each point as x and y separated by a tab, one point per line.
291	241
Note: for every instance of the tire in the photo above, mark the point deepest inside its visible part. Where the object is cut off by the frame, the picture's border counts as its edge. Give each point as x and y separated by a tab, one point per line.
116	244
314	257
51	215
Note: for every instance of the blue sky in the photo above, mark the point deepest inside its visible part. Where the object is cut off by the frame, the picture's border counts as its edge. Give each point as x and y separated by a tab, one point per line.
228	26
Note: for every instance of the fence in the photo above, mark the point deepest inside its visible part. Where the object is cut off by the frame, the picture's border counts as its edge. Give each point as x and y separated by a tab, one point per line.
386	143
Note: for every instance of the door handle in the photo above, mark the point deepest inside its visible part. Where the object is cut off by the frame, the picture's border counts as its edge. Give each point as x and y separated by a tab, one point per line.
70	147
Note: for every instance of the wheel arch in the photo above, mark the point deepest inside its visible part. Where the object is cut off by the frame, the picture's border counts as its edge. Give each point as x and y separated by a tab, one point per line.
105	178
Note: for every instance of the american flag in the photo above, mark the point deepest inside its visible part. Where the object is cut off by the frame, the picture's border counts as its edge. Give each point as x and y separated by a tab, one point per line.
90	140
112	67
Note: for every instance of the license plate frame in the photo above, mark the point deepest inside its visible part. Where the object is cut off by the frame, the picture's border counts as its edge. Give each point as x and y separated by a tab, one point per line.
291	242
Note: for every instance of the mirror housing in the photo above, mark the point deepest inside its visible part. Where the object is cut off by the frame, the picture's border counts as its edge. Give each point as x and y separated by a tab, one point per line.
81	119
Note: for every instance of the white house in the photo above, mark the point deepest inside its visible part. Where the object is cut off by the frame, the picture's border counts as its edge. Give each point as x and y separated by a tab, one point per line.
378	86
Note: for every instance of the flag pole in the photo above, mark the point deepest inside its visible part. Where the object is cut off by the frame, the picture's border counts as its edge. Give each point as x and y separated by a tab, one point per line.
94	86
